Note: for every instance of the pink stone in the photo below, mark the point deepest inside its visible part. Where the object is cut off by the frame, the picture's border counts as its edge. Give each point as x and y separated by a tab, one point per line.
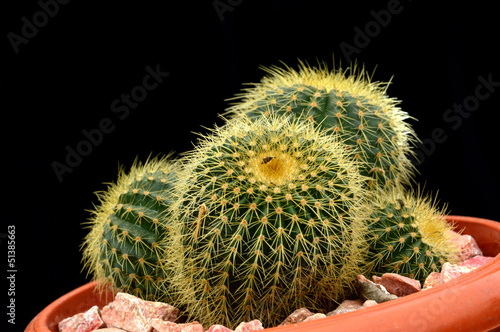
160	325
134	314
452	271
433	279
351	305
346	306
467	245
297	316
83	322
397	284
253	325
476	261
219	328
192	327
369	303
111	329
315	317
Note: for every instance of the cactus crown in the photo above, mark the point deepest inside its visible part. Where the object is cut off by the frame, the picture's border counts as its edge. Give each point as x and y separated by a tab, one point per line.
122	249
267	221
348	106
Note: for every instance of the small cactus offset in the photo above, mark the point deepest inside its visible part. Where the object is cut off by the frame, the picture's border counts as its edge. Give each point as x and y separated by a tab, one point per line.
268	222
348	106
123	250
409	235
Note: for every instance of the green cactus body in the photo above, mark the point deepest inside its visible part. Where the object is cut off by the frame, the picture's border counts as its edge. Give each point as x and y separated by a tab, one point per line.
123	250
409	236
268	222
352	108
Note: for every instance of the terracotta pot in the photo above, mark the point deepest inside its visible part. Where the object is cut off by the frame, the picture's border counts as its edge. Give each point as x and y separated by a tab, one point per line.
468	303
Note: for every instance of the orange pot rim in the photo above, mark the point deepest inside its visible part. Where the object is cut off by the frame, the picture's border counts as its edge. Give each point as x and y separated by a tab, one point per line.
440	308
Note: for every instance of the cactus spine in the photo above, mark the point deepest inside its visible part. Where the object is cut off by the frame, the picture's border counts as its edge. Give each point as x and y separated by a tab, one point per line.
122	248
409	235
350	107
267	222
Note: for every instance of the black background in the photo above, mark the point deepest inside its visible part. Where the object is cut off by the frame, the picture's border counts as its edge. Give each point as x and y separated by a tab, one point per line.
65	78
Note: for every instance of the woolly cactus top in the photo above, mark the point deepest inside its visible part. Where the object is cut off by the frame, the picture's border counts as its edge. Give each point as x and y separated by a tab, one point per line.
268	221
346	104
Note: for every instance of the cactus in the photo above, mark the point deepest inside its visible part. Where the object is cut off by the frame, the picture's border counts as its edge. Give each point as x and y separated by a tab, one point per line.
409	235
350	107
122	249
268	224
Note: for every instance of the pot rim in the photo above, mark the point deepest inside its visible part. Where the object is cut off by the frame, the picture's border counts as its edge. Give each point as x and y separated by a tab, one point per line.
424	308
